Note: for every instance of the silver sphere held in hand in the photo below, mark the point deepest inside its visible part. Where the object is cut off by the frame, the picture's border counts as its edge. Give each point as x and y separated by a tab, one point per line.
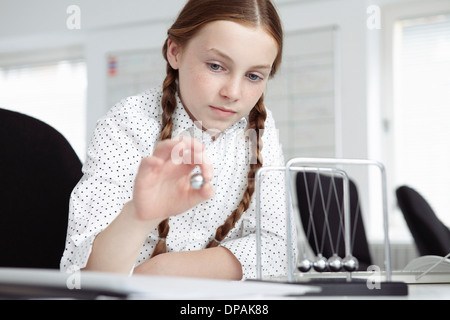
197	181
320	263
335	263
350	263
305	265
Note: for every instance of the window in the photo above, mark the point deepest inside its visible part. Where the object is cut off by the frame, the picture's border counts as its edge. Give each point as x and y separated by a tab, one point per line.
421	109
54	93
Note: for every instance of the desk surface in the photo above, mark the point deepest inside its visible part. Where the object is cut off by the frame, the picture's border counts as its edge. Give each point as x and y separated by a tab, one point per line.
23	283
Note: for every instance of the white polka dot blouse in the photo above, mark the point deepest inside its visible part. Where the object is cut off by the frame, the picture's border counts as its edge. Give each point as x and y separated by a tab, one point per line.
129	132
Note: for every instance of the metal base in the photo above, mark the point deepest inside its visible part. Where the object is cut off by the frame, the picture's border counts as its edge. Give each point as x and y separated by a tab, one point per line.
356	287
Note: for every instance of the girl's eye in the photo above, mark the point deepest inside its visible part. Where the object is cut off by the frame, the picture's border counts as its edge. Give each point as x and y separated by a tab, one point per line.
254	77
215	67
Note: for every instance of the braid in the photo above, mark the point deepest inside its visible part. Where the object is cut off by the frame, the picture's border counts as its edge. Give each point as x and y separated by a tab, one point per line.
168	103
257	118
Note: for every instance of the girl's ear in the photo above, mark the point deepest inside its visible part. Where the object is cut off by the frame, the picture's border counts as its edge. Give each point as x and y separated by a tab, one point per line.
173	54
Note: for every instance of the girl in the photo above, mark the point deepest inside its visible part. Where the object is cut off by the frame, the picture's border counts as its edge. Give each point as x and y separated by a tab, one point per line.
134	208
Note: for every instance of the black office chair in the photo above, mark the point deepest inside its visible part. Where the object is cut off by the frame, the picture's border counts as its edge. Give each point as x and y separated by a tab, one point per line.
307	184
431	236
38	170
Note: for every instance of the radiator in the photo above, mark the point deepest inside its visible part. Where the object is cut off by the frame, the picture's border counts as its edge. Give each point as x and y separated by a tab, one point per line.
401	254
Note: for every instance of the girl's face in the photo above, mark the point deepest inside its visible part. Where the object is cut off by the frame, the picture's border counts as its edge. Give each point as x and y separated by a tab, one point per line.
223	72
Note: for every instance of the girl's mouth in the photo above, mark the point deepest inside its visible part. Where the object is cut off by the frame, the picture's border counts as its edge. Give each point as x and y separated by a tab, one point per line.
222	112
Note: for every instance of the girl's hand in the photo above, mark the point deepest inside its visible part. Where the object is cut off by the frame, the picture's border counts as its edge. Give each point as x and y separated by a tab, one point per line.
162	187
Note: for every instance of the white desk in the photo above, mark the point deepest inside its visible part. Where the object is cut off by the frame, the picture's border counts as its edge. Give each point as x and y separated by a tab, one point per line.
87	285
435	291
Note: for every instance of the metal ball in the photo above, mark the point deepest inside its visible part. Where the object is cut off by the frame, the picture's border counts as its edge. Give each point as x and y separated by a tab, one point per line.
350	263
305	265
320	264
335	263
197	181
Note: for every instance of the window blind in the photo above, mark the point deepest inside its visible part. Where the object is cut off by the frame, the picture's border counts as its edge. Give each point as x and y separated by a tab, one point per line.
422	110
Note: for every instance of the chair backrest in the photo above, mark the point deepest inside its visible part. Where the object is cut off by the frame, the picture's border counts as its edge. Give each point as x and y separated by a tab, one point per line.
311	202
431	236
38	170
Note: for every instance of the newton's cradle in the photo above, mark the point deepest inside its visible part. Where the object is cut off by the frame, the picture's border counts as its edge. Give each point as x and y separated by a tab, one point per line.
316	266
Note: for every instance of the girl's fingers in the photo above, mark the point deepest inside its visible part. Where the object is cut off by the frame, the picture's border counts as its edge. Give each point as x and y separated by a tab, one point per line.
177	149
148	164
166	175
199	195
207	191
187	151
206	167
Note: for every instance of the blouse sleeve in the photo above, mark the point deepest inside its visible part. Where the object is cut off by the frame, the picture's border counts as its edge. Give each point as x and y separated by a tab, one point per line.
119	142
273	217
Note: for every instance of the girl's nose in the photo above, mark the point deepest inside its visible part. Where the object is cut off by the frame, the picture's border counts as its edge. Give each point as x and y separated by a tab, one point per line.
231	89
